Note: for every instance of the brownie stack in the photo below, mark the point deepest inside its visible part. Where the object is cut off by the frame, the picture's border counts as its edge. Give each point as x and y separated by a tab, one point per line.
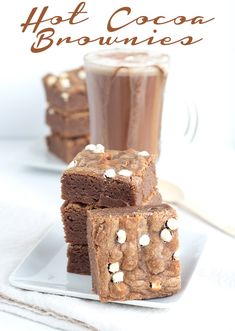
116	226
67	113
98	190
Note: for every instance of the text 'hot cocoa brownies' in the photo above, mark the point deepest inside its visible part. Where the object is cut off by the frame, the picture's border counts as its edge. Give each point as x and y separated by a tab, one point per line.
134	252
108	178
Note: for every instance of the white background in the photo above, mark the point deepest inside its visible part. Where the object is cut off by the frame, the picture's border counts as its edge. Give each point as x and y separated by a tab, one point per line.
201	72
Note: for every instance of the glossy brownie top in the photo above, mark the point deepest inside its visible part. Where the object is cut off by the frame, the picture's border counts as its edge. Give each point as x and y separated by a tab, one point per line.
111	163
67	81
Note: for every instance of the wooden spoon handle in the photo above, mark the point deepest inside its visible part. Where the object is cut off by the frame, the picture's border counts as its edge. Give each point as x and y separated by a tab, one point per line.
197	211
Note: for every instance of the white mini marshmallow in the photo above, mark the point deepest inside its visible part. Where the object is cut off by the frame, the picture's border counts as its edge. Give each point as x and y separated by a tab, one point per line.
113	267
143	153
176	255
121	236
118	277
125	173
155	286
72	164
51	111
95	148
110	173
51	80
99	149
166	235
65	96
144	240
172	224
65	82
82	74
90	147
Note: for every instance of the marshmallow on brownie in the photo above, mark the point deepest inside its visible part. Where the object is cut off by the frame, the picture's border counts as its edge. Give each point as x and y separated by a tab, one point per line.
110	178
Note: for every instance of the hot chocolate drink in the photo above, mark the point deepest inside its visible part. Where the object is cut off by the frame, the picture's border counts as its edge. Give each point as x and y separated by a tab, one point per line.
125	92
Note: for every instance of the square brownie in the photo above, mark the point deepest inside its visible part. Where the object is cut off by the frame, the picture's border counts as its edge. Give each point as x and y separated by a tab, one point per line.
134	252
78	259
65	148
74	218
67	91
108	178
67	124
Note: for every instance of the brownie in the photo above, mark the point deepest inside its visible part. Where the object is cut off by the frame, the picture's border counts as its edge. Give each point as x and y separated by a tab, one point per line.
109	178
65	148
74	217
67	124
78	260
67	91
134	252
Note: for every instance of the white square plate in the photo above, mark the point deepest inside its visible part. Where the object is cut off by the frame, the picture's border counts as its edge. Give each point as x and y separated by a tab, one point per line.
44	269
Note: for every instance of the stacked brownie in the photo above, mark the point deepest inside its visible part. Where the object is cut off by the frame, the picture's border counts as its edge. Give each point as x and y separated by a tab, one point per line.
117	227
91	184
134	252
67	113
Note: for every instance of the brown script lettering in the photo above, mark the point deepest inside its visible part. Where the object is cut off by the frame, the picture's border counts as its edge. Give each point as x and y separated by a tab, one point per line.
46	37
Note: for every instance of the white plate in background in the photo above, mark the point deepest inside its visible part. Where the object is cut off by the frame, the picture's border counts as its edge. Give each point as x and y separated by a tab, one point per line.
44	269
37	156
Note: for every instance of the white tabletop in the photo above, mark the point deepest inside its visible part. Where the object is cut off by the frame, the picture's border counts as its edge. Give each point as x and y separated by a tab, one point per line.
19	182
